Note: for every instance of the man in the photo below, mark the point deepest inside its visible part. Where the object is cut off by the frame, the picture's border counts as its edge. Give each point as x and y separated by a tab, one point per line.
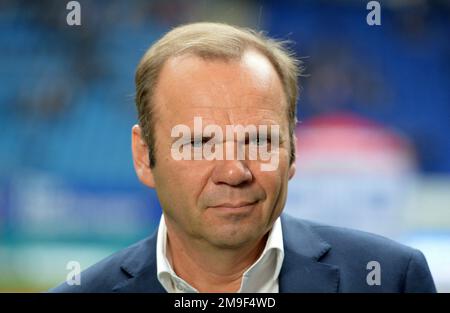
222	229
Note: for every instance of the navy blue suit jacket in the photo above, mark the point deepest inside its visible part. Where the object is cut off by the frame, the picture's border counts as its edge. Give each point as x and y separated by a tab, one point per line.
318	258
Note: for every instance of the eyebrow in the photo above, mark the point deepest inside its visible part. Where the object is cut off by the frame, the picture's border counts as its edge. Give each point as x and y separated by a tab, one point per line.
205	138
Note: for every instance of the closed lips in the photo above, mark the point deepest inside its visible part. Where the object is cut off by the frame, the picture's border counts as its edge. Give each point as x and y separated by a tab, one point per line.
233	205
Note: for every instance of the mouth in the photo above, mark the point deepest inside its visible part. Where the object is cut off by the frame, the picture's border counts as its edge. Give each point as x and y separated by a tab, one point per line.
235	207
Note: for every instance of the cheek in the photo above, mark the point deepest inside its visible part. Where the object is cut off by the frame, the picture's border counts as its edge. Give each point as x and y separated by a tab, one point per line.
269	181
180	182
274	183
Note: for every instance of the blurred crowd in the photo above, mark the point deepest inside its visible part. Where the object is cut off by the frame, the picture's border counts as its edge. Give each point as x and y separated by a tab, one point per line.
65	86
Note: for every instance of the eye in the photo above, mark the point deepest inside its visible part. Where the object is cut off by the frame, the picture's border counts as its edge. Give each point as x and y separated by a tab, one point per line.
259	140
197	143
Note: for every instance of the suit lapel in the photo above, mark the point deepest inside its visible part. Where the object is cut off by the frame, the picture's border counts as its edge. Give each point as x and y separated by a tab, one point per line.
140	267
301	270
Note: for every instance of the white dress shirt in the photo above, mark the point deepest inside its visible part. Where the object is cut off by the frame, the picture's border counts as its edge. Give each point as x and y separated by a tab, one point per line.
261	276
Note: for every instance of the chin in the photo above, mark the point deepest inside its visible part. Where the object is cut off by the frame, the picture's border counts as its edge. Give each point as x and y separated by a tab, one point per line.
232	238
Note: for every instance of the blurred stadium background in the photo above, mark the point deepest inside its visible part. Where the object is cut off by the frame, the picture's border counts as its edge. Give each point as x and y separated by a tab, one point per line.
373	139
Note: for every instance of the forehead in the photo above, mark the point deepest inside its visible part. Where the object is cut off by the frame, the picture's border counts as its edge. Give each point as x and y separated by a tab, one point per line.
190	86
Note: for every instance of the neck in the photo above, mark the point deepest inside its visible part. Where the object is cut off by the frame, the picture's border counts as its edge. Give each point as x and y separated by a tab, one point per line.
208	268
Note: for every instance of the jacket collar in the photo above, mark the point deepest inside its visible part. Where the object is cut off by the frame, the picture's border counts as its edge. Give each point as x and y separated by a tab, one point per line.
301	271
140	266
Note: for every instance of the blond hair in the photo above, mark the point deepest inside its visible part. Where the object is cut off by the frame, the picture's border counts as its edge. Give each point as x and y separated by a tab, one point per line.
212	41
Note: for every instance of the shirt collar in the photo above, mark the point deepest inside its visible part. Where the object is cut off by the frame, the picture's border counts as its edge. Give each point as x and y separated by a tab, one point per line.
261	276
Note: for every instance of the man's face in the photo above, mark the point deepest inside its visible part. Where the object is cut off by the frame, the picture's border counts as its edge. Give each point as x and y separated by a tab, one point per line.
226	203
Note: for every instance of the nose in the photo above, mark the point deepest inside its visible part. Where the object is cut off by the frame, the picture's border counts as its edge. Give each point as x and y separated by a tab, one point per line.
231	172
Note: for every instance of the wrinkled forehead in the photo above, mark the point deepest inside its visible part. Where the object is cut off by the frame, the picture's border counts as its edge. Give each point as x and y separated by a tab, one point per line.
248	88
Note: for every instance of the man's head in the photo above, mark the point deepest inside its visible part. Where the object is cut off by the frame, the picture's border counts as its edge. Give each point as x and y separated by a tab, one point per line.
227	76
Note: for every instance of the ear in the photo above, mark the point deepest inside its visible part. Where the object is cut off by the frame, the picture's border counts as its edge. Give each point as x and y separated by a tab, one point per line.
292	167
141	158
292	170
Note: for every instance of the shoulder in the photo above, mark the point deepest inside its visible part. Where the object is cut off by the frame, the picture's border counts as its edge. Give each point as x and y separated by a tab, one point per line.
107	273
355	252
345	240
